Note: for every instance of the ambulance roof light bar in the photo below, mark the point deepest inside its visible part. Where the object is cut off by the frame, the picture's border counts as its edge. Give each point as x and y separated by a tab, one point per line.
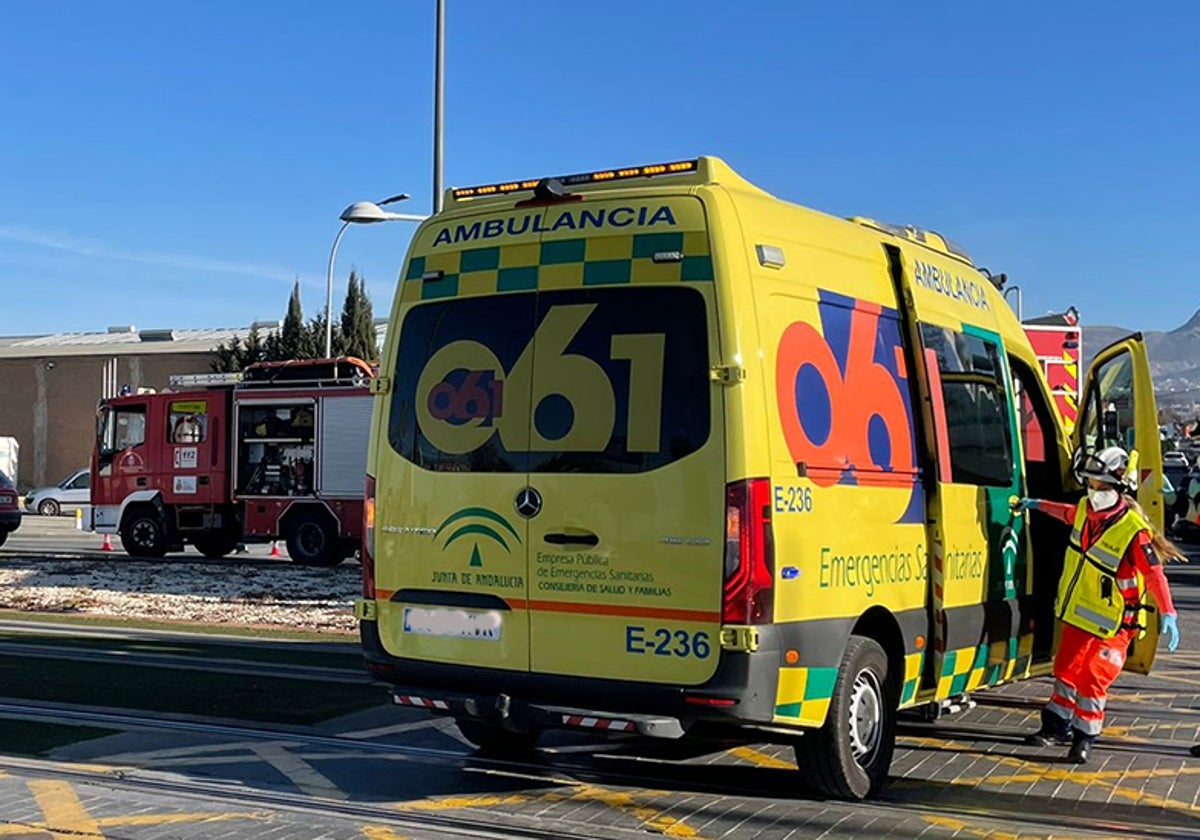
678	167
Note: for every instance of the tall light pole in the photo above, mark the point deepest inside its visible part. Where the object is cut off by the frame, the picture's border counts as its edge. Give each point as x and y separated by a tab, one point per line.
358	213
439	70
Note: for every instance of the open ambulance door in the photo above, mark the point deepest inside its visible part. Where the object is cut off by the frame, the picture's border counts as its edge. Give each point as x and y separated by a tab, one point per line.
1118	409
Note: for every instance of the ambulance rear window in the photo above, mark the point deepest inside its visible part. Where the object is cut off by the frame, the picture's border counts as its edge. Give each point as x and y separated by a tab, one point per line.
577	380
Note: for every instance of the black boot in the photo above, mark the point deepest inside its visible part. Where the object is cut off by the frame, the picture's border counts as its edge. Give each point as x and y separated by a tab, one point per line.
1081	748
1054	730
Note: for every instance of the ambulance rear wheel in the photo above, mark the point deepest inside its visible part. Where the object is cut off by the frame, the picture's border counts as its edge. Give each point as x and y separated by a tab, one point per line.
496	740
849	757
313	541
143	533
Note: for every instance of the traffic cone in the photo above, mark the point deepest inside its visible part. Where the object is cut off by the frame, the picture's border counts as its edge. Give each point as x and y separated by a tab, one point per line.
274	549
107	544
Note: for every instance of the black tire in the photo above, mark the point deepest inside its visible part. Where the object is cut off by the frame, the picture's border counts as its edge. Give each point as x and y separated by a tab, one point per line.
312	540
496	740
215	544
4	537
849	757
48	507
144	534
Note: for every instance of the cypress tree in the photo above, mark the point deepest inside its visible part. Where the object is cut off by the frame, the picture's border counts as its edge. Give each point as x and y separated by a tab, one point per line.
293	338
358	321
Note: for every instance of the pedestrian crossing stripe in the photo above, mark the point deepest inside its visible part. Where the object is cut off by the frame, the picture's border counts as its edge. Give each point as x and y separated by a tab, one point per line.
624	259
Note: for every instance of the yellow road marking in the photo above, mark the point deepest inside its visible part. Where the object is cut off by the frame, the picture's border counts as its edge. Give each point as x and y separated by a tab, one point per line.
762	759
651	818
381	832
64	813
450	803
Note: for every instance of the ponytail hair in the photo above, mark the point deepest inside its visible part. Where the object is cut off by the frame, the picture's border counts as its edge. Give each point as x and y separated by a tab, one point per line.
1163	547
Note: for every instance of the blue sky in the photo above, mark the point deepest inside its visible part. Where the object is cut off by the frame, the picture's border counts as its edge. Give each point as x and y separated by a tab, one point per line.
171	164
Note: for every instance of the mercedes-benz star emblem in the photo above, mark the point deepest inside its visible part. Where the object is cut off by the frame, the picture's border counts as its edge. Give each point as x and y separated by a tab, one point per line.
529	502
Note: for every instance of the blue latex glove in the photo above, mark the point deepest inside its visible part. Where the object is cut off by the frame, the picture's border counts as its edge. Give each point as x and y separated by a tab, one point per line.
1169	627
1022	505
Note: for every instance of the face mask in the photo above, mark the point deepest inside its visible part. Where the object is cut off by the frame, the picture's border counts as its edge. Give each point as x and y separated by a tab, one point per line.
1103	499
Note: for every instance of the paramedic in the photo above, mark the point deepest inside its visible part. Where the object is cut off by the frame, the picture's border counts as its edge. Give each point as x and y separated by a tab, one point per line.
1112	559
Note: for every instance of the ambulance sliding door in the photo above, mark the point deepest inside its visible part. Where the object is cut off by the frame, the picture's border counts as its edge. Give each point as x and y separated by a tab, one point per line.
977	554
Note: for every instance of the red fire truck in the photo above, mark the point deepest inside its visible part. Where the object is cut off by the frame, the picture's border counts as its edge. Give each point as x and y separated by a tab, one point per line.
277	452
1058	341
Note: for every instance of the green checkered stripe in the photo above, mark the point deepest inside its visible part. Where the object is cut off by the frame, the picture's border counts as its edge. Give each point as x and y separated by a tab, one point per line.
913	663
804	694
968	668
560	263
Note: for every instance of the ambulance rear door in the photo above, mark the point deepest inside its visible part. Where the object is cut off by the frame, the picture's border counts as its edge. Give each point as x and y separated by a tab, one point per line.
1119	409
626	505
451	549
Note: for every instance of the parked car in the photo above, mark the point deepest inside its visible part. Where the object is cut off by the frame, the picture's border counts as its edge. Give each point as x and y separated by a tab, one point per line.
70	493
1175	459
10	513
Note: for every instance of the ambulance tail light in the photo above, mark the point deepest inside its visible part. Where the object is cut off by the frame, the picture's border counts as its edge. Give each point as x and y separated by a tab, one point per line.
368	540
749	554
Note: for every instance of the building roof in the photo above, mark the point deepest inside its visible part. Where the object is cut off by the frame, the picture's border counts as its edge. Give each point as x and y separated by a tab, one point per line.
121	341
130	341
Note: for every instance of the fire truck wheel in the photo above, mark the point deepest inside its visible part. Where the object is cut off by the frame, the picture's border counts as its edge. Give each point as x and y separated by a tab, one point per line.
215	545
143	533
313	541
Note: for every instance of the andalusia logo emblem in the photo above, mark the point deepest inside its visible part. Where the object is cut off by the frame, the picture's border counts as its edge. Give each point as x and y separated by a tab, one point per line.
480	523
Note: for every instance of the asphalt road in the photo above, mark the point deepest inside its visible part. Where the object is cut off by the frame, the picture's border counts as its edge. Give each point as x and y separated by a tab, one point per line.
58	535
389	773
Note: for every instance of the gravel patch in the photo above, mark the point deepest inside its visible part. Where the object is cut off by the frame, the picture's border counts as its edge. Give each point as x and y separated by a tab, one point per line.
178	589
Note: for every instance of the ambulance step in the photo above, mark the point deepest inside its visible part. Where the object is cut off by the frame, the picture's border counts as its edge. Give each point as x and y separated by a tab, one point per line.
939	709
653	726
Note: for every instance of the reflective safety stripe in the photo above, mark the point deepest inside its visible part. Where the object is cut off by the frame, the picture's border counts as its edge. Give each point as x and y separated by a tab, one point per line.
1088	726
1104	623
1098	552
1090	704
1061	688
1127	583
1066	712
1076	535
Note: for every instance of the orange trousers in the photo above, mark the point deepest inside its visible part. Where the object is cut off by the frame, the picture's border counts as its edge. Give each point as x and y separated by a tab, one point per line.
1084	668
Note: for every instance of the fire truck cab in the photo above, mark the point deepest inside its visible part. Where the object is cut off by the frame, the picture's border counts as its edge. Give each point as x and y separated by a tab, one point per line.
277	452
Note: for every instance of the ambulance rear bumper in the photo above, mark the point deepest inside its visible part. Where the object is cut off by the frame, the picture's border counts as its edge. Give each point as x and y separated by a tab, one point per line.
741	691
502	710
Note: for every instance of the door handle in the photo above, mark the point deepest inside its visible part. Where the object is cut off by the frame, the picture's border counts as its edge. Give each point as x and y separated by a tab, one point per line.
577	538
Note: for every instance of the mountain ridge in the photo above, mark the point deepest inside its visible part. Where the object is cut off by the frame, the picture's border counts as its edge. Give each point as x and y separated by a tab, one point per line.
1174	355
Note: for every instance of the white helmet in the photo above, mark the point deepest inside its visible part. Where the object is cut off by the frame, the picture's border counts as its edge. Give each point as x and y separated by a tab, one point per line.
1109	465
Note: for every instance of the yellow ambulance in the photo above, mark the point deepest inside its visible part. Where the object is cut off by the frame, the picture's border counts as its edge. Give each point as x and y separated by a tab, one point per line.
656	452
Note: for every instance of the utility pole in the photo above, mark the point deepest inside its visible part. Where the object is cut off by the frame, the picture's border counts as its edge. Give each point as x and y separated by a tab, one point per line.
439	97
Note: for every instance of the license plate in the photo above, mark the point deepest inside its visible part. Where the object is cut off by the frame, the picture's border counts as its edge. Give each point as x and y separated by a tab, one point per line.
5	500
460	624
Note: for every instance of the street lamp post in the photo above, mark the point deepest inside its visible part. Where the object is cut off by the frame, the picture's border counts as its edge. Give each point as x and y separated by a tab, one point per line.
358	213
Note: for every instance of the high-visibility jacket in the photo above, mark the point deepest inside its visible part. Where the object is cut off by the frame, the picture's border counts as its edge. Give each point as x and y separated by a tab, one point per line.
1091	596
